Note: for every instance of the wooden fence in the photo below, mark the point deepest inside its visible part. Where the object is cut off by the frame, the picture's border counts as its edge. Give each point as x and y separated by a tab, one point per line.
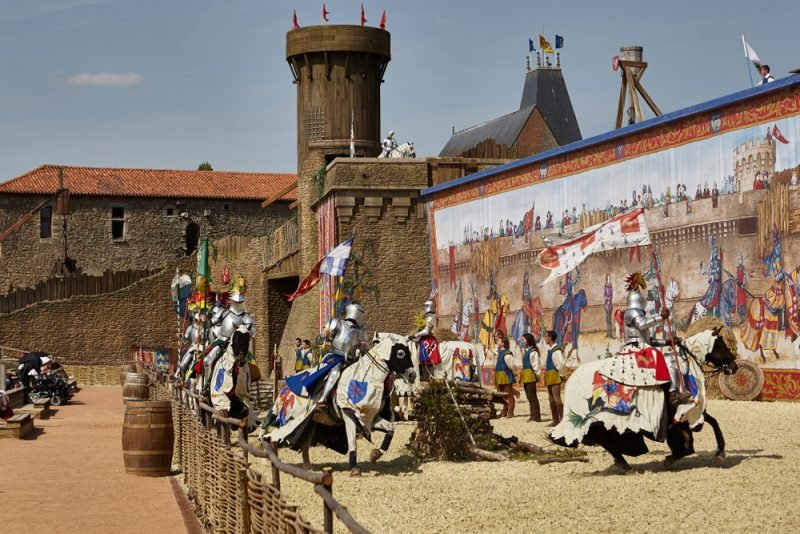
284	242
70	286
227	493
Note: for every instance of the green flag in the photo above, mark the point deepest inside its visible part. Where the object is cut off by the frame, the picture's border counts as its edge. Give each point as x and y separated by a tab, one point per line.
203	271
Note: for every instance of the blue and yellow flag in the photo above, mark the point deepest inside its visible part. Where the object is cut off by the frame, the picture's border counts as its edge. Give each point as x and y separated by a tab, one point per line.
544	45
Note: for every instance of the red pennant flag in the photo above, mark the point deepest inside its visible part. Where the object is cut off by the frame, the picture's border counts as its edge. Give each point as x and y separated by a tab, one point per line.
776	133
363	18
325	13
383	20
308	282
295	25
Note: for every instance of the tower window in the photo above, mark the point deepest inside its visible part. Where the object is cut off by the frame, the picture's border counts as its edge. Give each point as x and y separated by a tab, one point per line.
46	222
226	207
117	223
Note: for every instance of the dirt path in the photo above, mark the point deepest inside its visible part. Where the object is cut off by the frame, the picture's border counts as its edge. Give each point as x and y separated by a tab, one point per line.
71	478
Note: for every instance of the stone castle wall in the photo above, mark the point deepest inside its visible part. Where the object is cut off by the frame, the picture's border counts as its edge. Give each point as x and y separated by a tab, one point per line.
152	237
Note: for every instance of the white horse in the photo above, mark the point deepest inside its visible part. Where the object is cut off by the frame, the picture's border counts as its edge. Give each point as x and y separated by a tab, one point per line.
406	150
358	404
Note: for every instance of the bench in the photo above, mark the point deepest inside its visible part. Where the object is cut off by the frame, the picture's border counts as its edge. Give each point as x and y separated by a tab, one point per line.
17	426
38	409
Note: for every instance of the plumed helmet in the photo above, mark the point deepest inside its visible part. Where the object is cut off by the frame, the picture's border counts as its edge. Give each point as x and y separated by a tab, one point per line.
354	312
635	281
390	134
429	306
238	289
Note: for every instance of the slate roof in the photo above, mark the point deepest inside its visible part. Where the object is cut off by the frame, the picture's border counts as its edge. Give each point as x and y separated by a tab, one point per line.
546	89
504	130
161	183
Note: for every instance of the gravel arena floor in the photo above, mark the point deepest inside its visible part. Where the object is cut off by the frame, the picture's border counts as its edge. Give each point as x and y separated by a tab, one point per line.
756	491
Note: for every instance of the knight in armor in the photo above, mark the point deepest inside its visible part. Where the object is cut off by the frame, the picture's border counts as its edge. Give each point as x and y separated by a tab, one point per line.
227	321
428	348
388	144
640	330
347	338
196	334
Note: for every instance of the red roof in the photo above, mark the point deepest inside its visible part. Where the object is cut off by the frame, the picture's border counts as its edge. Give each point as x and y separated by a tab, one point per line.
163	183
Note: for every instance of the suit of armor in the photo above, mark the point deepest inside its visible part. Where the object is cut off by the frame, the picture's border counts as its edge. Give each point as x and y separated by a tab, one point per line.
388	145
346	337
227	322
640	330
430	321
196	337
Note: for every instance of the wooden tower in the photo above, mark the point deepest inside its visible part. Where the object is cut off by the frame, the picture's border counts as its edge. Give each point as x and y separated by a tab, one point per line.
630	61
338	71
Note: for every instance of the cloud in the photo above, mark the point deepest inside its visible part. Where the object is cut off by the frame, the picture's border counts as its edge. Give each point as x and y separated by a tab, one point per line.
106	79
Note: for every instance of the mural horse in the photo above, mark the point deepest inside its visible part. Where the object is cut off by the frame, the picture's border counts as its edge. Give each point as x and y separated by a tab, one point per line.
406	150
726	305
569	315
360	403
618	413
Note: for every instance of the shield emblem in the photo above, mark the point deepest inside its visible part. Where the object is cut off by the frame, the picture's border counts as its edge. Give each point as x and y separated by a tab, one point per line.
356	391
220	379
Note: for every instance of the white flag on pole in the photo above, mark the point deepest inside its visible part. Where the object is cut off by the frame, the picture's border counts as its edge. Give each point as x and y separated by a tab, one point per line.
749	53
626	230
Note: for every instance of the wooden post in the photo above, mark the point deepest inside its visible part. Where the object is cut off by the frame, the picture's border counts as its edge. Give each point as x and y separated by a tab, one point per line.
276	475
2	376
243	497
328	483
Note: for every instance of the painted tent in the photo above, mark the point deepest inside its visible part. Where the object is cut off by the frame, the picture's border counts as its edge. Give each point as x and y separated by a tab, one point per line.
719	184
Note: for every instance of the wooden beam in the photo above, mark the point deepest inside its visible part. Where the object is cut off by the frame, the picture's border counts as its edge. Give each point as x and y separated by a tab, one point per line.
294	204
347	65
328	65
647	98
308	66
25	218
366	64
621	105
634	99
280	194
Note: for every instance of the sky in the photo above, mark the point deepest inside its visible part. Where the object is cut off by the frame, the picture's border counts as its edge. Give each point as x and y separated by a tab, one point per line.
170	84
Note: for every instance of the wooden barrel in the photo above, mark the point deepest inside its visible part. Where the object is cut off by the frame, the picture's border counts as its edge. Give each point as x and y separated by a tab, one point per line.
124	372
147	438
135	388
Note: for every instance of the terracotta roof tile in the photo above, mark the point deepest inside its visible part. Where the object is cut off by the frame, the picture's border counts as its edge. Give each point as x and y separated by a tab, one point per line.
162	183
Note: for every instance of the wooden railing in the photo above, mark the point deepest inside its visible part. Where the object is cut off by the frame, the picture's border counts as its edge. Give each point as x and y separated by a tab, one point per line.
70	286
283	243
229	495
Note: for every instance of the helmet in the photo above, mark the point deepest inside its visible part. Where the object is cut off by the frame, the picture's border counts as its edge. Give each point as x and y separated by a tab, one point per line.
354	312
429	307
247	320
636	301
390	134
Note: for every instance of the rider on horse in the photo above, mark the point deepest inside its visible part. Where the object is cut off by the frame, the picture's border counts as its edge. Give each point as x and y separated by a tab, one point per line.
640	332
389	144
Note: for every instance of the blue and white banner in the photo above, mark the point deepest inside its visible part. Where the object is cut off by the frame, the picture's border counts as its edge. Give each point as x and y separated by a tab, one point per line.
335	262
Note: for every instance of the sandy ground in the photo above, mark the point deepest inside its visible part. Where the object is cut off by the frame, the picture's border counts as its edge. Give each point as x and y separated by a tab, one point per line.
756	491
69	475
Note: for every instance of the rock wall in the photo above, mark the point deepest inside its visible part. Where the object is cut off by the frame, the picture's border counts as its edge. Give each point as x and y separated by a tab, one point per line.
155	233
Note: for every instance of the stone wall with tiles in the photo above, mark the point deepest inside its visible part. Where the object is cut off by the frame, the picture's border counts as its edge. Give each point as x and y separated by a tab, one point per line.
154	233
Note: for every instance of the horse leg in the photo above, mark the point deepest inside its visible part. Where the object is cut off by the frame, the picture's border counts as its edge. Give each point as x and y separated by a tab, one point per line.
719	456
308	437
619	461
351	429
382	425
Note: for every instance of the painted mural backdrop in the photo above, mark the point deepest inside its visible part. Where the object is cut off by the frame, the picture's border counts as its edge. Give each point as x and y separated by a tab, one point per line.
722	205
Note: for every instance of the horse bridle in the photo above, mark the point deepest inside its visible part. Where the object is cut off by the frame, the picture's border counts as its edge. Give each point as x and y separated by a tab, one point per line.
684	350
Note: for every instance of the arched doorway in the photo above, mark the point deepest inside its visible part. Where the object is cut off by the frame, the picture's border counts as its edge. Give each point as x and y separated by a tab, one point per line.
192	238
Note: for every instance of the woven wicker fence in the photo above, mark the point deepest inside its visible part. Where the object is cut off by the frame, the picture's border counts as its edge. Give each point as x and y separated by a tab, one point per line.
228	495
